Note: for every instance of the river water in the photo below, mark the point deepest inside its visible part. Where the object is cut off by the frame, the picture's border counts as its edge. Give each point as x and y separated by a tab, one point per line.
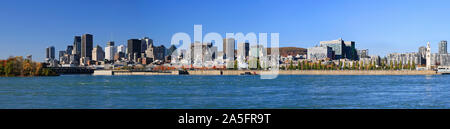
236	92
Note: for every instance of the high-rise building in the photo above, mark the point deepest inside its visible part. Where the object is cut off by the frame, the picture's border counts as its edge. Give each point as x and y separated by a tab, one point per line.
69	49
228	48
134	48
98	54
86	45
146	43
120	48
61	54
50	52
428	56
76	45
341	48
110	51
243	50
422	54
443	47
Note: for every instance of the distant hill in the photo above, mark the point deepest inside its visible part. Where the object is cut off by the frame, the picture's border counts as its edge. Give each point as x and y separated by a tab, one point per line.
285	51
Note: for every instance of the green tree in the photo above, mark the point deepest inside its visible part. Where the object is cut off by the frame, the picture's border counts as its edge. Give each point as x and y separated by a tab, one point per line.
391	66
8	68
258	64
2	68
339	65
320	65
236	65
345	65
291	65
413	66
409	65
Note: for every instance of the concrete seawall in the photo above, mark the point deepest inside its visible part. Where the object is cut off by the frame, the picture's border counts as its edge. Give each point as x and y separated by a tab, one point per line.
281	72
317	72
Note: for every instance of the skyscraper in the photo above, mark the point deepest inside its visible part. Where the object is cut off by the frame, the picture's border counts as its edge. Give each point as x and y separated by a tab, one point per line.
134	48
428	56
76	45
443	47
86	45
110	51
98	54
422	54
146	43
243	49
69	49
61	54
50	52
228	48
120	48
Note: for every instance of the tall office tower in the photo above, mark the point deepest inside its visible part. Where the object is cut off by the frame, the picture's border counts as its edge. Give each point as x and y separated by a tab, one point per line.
69	49
422	55
228	48
120	48
428	56
98	54
243	49
61	54
86	45
50	52
110	51
146	43
170	50
134	48
76	45
159	52
443	47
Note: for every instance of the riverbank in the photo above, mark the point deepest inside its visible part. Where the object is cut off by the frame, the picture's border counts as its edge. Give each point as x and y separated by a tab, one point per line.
280	72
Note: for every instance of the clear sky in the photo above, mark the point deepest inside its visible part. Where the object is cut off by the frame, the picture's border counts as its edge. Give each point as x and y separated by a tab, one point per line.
382	26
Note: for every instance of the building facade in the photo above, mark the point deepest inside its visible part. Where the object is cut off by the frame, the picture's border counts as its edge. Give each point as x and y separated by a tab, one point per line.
110	51
134	49
443	47
98	54
320	53
86	45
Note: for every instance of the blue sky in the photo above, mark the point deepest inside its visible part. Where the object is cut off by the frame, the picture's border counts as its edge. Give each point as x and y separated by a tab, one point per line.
382	26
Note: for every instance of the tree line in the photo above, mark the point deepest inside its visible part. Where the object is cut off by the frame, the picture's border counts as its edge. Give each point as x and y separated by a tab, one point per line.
17	66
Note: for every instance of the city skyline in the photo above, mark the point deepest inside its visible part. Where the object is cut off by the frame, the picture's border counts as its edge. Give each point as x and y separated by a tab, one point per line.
381	26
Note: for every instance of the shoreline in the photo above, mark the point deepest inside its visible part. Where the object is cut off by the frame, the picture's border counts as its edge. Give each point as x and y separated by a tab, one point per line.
280	72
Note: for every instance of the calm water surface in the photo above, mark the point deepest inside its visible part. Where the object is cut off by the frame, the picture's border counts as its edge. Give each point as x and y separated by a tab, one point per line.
85	91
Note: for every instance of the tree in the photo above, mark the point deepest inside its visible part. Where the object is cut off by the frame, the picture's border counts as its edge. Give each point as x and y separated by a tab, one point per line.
339	65
320	67
291	66
38	69
8	68
258	64
28	70
236	65
2	68
298	65
344	65
413	66
409	65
